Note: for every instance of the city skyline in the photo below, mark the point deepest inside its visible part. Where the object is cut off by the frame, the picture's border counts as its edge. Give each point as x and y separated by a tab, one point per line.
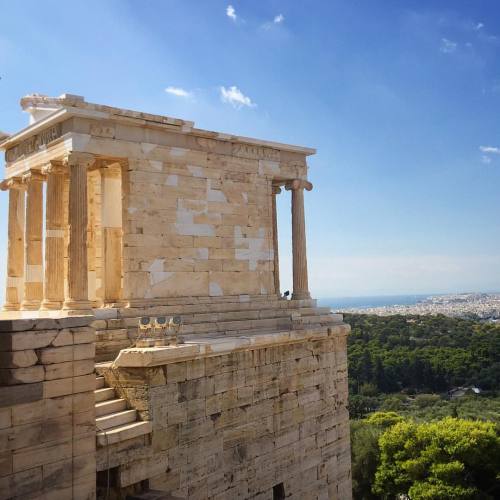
402	111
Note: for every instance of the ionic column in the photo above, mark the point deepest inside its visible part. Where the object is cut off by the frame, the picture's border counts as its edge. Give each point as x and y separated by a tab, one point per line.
300	280
53	292
111	219
33	280
276	191
77	300
92	225
15	248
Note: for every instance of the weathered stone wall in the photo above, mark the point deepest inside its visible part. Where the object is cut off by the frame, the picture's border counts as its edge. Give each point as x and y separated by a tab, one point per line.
236	425
47	419
208	217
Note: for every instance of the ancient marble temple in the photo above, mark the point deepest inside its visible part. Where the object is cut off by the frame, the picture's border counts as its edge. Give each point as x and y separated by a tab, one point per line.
116	215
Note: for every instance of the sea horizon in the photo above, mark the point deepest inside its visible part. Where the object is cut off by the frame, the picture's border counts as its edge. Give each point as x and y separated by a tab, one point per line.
368	301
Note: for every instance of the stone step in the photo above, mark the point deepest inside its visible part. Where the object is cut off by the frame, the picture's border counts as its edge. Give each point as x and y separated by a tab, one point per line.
108	407
111	334
267	325
251	315
102	366
99	383
152	495
252	324
121	433
202	308
314	311
323	318
104	394
233	304
107	350
115	419
196	317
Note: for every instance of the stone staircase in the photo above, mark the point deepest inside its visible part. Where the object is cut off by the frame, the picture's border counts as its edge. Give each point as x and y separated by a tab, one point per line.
110	342
115	422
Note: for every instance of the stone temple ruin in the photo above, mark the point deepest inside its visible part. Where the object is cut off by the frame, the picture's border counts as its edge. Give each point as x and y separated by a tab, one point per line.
116	215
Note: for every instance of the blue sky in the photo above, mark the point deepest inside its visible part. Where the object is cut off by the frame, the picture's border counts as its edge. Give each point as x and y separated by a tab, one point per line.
400	98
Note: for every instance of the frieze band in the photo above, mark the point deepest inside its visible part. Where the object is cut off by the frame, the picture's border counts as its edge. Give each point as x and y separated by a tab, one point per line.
255	152
33	144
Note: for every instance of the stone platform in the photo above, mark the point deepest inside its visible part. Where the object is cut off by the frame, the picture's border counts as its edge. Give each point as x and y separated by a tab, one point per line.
234	416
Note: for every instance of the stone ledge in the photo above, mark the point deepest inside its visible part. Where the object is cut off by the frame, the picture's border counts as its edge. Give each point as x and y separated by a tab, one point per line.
20	324
201	347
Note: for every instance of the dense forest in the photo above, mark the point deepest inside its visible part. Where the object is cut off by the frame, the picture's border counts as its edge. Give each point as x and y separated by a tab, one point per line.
421	353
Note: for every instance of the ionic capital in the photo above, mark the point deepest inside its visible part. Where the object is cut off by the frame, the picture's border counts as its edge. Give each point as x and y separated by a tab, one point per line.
298	184
54	167
79	159
33	176
12	183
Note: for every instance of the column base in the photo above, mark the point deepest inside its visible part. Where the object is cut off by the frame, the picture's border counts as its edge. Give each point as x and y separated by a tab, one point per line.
97	303
301	296
114	304
51	305
30	305
77	307
11	306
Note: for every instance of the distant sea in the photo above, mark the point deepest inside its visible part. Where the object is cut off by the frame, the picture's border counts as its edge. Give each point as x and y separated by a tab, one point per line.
342	303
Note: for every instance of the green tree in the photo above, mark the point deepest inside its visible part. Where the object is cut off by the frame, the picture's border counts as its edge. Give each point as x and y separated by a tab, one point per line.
449	459
365	451
360	406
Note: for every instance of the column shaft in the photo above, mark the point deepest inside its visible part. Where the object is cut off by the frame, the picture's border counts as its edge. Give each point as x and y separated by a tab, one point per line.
15	248
111	217
300	279
33	282
54	239
77	299
276	191
92	236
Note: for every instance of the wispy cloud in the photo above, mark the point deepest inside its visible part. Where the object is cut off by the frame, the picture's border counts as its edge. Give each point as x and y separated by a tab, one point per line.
490	149
278	19
478	26
447	46
231	13
178	91
234	96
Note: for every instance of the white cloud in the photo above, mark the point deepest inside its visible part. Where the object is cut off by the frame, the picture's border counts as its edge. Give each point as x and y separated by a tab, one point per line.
177	91
490	149
478	26
230	12
485	159
447	46
234	96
